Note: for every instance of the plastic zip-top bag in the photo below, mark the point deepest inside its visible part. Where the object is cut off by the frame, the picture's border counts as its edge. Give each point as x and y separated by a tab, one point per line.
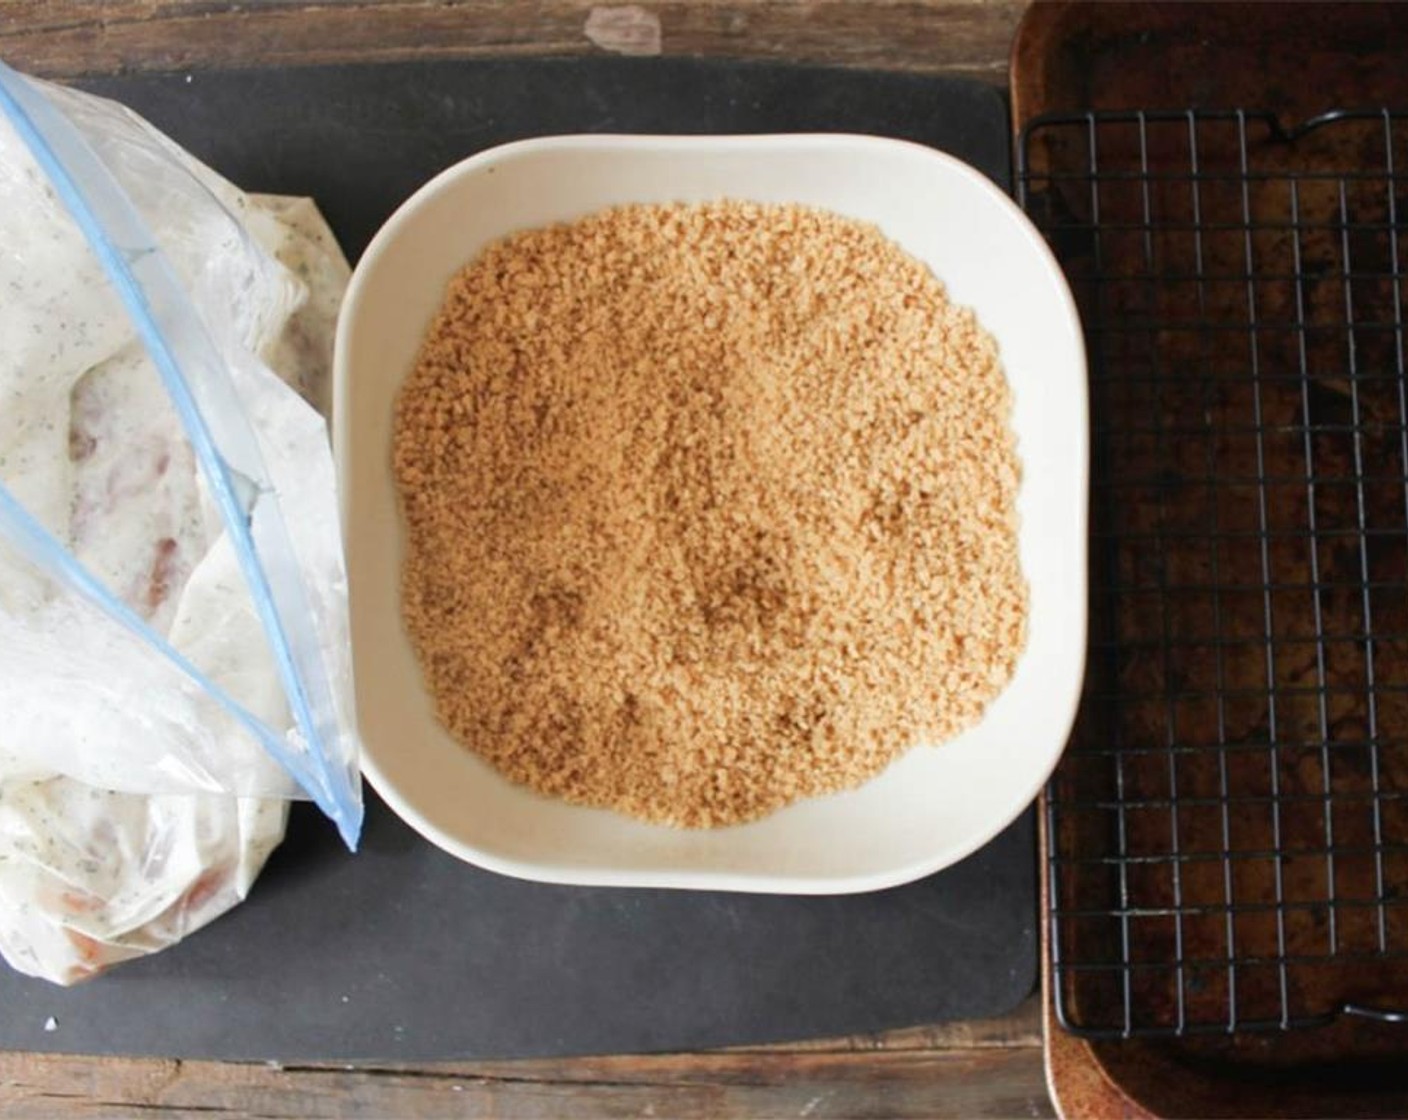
174	659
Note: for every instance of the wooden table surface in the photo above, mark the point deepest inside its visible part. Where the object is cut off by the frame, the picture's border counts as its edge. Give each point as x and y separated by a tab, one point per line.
991	1068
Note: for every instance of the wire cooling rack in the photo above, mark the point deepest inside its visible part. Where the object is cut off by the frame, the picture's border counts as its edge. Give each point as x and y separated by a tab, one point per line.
1228	832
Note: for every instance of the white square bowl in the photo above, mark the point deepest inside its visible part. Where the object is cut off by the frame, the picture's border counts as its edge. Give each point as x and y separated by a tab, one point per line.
934	805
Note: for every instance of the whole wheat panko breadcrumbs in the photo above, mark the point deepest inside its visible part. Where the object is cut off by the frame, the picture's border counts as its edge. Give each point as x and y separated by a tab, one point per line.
709	508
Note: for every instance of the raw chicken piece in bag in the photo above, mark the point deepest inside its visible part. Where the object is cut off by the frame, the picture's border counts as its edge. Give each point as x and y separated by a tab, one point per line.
174	659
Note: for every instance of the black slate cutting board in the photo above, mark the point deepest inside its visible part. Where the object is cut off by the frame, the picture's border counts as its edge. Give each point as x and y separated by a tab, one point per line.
402	952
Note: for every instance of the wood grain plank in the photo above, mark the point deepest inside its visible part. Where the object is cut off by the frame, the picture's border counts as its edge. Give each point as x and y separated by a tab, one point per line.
996	1082
978	1068
69	38
1019	1028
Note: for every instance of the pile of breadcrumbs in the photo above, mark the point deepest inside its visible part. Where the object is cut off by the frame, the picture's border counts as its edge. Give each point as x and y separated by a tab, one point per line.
709	508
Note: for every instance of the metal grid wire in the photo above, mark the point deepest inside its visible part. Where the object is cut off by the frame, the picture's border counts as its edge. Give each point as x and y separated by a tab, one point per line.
1229	828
